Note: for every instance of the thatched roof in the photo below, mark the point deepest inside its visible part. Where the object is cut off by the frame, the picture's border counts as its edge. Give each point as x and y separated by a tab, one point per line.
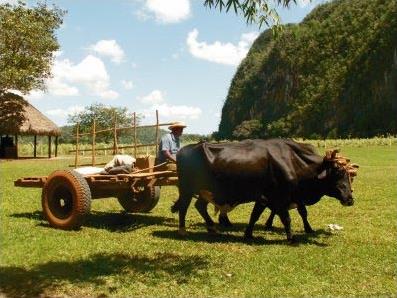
17	116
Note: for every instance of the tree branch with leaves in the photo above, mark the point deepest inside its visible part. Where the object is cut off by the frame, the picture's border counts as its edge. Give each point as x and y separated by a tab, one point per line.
27	45
253	11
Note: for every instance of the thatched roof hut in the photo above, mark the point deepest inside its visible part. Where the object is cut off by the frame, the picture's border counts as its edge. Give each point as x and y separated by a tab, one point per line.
18	117
37	124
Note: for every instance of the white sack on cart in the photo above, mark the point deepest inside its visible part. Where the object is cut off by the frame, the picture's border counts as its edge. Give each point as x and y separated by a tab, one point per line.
120	160
89	170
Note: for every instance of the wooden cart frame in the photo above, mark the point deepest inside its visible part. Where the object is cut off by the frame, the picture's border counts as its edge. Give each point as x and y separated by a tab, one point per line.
67	195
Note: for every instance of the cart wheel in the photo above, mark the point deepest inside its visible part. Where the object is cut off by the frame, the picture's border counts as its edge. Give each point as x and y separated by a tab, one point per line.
142	201
66	199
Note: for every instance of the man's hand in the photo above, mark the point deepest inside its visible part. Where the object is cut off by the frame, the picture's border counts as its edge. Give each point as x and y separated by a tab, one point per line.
169	156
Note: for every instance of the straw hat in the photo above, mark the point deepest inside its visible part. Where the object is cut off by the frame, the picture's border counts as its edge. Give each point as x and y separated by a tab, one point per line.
176	125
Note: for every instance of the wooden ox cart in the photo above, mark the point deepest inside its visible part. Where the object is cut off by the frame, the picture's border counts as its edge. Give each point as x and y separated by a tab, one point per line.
67	194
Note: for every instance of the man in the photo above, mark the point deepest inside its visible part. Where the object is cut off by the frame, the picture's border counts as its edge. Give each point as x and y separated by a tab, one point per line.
170	143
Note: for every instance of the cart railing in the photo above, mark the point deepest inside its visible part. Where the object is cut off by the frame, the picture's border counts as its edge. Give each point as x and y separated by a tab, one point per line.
115	147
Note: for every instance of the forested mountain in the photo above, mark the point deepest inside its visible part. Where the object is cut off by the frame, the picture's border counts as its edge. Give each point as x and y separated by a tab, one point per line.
332	75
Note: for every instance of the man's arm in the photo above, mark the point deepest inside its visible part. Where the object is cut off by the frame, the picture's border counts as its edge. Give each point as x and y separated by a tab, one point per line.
168	155
165	147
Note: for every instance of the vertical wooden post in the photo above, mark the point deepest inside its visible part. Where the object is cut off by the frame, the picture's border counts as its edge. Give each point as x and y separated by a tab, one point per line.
135	135
115	135
93	142
157	131
35	146
49	147
16	146
56	146
76	158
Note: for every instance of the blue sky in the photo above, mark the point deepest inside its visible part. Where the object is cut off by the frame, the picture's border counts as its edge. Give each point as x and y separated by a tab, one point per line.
172	55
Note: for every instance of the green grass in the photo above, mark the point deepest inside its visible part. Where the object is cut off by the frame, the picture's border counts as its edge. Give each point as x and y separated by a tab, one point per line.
118	254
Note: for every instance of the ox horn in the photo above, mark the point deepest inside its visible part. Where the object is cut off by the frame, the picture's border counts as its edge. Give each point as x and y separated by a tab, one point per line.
328	154
331	154
352	173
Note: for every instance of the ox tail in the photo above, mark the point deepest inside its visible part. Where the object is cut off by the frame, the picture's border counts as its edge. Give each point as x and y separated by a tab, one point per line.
178	204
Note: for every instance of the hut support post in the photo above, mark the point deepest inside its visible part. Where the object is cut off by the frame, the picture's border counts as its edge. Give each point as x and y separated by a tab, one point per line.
56	146
49	147
76	158
16	146
35	146
135	135
93	143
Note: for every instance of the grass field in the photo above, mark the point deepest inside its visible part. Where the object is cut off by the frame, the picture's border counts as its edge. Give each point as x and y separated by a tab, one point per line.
119	254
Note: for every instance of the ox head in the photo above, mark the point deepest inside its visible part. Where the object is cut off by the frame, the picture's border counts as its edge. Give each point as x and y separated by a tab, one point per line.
339	173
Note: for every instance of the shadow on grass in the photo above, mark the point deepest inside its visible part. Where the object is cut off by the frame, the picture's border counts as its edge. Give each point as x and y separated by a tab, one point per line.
226	237
125	222
301	237
113	222
42	279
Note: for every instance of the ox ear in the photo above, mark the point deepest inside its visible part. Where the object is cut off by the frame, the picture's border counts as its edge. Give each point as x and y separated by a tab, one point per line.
322	175
331	154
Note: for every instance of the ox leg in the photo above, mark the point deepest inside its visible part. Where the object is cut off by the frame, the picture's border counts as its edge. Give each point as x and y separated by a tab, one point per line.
256	213
224	220
201	207
286	220
269	222
184	202
303	213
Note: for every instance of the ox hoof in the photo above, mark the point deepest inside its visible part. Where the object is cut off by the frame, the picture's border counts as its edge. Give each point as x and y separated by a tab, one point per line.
212	231
309	231
248	237
182	232
225	222
293	241
269	228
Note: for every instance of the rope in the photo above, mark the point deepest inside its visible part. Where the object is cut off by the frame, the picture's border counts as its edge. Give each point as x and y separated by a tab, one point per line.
142	170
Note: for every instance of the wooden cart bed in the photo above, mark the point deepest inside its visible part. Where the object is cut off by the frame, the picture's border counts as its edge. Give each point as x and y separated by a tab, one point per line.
120	180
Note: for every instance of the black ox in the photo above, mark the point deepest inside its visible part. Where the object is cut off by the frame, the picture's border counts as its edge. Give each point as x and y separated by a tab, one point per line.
307	192
269	172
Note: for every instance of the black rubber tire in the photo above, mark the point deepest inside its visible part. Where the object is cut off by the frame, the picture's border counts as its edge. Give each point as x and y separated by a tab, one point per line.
66	199
142	201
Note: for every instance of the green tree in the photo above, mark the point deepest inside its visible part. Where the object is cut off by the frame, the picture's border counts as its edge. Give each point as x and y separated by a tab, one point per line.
105	118
253	11
27	45
249	129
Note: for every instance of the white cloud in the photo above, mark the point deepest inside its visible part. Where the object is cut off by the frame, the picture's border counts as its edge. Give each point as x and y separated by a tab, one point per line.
154	97
34	95
56	87
128	85
166	11
175	112
218	52
167	111
109	48
90	73
64	113
303	3
12	2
